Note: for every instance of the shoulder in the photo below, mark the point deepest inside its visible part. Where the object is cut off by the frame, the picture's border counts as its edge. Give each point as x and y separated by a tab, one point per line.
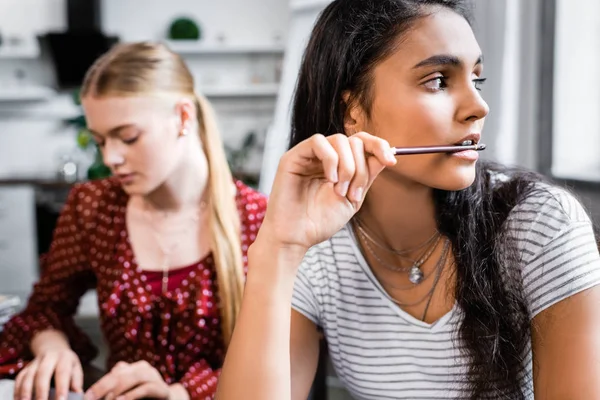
107	188
91	197
251	203
557	247
551	207
331	254
545	214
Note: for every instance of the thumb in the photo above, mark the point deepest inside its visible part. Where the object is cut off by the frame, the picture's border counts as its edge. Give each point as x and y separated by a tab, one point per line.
375	168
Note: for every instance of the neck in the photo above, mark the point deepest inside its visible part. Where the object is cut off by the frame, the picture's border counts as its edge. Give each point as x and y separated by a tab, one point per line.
186	187
399	212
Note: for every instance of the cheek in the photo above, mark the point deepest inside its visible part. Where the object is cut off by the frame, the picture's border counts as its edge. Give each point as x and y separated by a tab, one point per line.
423	120
148	154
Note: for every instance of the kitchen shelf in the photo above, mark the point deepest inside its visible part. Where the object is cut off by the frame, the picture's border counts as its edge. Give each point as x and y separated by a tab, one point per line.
26	93
192	47
29	49
250	90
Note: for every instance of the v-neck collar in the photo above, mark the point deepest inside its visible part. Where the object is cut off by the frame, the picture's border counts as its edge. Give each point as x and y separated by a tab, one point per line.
364	265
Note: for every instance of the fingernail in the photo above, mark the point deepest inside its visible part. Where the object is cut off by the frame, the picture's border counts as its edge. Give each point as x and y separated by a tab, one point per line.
358	193
344	188
390	155
334	177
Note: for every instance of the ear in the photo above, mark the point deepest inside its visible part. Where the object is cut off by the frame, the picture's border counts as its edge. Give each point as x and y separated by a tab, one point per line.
354	116
186	115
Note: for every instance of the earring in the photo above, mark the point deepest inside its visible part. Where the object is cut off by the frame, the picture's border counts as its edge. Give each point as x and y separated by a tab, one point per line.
184	132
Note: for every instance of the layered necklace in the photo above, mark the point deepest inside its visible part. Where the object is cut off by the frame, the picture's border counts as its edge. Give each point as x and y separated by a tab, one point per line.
414	271
166	247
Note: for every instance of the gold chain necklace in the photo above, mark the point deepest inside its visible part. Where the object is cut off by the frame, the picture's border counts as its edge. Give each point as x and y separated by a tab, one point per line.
166	253
415	274
401	253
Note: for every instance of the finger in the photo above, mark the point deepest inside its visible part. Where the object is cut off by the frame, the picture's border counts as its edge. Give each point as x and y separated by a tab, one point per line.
378	147
62	376
24	382
128	379
43	376
317	147
77	377
101	388
379	155
110	396
346	167
361	174
147	390
120	365
18	380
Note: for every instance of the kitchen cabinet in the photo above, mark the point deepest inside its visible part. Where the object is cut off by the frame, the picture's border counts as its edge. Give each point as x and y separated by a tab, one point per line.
18	250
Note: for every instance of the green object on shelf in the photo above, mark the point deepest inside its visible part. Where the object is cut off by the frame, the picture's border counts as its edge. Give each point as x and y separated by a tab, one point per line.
184	28
98	170
84	138
76	95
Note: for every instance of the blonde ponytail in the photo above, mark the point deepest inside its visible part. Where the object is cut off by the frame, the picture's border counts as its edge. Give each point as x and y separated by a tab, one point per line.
224	220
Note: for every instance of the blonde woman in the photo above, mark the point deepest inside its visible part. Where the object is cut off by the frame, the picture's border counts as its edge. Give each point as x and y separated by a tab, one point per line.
163	241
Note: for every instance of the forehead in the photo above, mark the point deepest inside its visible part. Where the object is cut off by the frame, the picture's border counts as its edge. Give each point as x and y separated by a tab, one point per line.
103	113
441	32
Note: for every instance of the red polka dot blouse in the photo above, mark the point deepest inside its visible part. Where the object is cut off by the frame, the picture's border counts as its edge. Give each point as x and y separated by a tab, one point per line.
178	333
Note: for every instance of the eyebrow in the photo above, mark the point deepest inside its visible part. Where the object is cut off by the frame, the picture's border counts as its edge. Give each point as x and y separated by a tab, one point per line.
444	59
114	131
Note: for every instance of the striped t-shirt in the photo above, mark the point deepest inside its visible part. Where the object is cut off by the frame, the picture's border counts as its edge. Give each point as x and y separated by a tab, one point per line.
381	352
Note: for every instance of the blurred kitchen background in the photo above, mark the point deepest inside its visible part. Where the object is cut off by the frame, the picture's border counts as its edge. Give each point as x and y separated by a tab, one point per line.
542	61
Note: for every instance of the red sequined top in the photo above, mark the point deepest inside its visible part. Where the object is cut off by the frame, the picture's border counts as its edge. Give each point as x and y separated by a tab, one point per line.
178	332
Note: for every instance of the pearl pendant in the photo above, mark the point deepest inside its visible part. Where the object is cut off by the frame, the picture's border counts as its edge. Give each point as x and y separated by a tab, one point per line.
415	276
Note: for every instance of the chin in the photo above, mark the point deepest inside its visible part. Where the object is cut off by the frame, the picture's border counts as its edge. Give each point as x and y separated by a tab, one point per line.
134	189
459	178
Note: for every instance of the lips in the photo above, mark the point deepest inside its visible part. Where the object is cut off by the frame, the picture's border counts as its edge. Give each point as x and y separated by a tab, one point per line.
125	178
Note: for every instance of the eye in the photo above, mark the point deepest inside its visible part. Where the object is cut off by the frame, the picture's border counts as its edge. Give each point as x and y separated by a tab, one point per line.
130	140
130	135
100	142
436	84
478	83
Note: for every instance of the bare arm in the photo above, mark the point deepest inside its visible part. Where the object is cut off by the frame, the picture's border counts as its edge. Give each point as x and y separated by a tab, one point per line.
48	339
284	356
318	187
304	350
566	348
257	365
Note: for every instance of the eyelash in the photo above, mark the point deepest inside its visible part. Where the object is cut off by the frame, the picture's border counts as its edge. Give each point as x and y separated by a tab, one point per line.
128	141
443	85
479	81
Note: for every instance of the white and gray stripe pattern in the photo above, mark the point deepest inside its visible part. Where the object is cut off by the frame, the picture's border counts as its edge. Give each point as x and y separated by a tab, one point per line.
380	352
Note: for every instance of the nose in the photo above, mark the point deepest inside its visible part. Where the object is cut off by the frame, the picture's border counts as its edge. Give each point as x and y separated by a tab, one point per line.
472	105
112	154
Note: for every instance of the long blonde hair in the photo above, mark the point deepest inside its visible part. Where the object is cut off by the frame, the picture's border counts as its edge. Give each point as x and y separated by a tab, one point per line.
137	69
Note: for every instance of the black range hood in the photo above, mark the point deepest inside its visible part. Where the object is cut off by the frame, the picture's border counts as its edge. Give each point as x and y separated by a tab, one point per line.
72	52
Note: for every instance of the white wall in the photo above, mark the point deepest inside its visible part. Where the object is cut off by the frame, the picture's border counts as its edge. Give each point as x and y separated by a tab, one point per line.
32	140
240	21
576	95
24	17
303	14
